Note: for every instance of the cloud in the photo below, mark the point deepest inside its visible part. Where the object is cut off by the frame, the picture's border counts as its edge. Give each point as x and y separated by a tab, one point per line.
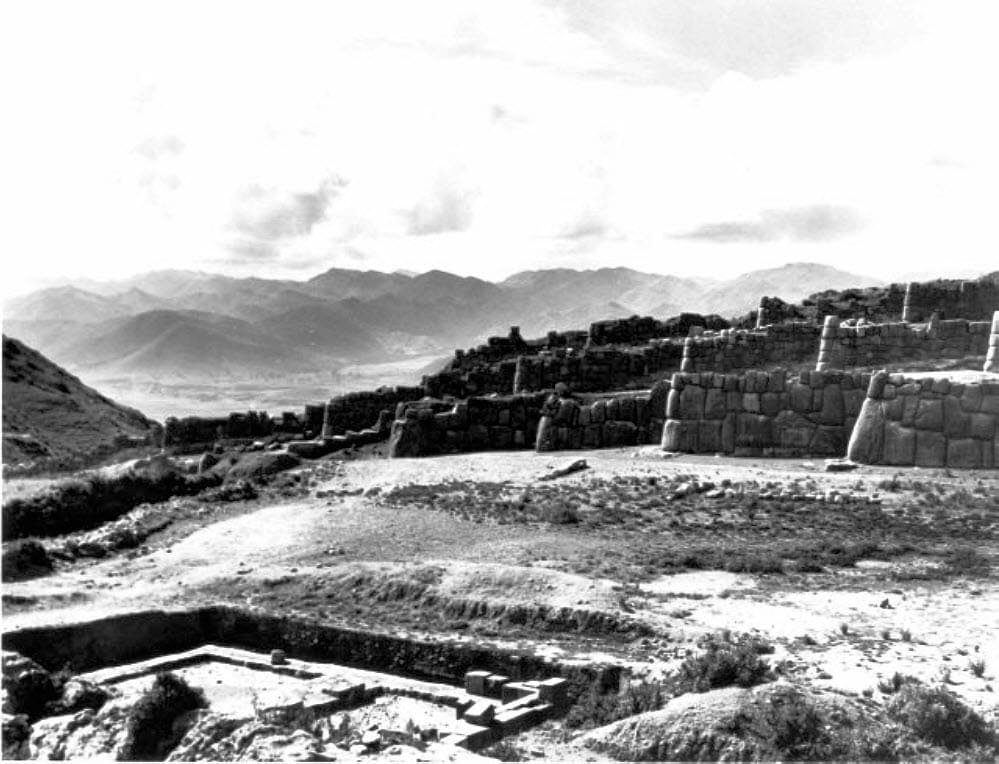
586	226
160	146
242	250
449	208
272	214
813	223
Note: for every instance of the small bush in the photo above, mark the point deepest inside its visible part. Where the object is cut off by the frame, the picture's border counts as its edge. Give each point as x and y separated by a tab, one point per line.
595	709
725	662
977	666
896	682
939	716
25	559
560	514
504	750
84	503
149	726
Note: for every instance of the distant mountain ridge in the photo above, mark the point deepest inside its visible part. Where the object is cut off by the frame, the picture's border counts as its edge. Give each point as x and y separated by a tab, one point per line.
196	325
49	413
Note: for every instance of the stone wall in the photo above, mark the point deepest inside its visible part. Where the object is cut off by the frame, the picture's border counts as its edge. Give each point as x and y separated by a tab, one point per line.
252	424
736	350
973	300
929	421
432	426
874	346
763	413
604	421
355	411
545	421
640	329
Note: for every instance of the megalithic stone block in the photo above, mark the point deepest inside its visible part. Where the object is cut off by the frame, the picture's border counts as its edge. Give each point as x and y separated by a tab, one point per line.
992	356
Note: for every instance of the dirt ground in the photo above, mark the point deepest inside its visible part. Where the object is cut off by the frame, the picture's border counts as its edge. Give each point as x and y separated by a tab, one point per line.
853	576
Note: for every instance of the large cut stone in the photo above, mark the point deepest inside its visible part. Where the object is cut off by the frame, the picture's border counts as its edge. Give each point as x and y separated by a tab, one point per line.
931	449
900	444
929	414
964	453
867	440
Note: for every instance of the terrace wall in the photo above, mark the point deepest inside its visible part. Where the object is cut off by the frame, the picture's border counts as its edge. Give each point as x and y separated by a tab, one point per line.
972	300
543	421
875	346
763	413
929	422
356	411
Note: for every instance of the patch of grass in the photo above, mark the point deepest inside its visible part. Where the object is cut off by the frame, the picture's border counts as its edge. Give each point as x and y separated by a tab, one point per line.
82	503
504	750
149	734
595	709
25	559
938	716
965	560
893	685
977	666
725	661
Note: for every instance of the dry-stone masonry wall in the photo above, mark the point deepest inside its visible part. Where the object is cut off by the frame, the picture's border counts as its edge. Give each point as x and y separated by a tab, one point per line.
252	424
355	411
992	357
603	421
432	426
738	350
973	300
930	421
887	345
545	421
763	413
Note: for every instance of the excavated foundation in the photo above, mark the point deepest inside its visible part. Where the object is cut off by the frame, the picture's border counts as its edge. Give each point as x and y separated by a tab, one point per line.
487	692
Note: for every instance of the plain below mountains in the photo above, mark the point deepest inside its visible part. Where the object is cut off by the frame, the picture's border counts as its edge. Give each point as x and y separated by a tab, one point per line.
49	413
187	326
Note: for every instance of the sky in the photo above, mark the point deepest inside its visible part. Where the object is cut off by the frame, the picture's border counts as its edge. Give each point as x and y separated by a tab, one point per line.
695	137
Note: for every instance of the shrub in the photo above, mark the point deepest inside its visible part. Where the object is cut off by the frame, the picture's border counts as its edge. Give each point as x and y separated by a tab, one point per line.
595	709
977	666
560	514
724	662
25	559
149	727
939	716
83	503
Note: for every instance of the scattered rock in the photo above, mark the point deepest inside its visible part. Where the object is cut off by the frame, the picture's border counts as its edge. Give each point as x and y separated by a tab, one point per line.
577	466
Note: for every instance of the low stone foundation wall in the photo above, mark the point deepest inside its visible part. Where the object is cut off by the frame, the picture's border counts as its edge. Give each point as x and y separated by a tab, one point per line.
763	413
929	421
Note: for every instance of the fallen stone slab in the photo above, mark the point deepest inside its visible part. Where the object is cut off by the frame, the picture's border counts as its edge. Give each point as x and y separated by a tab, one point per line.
577	466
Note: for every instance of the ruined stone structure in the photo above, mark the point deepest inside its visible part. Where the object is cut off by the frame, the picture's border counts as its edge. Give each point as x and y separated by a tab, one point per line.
875	345
928	421
730	390
972	300
992	356
763	413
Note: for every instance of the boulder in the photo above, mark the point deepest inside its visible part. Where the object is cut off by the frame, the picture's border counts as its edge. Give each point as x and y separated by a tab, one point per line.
27	687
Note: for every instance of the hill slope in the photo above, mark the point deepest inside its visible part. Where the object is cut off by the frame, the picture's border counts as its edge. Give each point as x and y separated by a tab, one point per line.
47	412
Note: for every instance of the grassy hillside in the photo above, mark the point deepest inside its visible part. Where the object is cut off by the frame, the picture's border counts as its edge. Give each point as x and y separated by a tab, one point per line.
49	413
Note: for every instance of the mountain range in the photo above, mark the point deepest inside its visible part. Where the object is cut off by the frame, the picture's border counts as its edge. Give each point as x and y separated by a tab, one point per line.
192	326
